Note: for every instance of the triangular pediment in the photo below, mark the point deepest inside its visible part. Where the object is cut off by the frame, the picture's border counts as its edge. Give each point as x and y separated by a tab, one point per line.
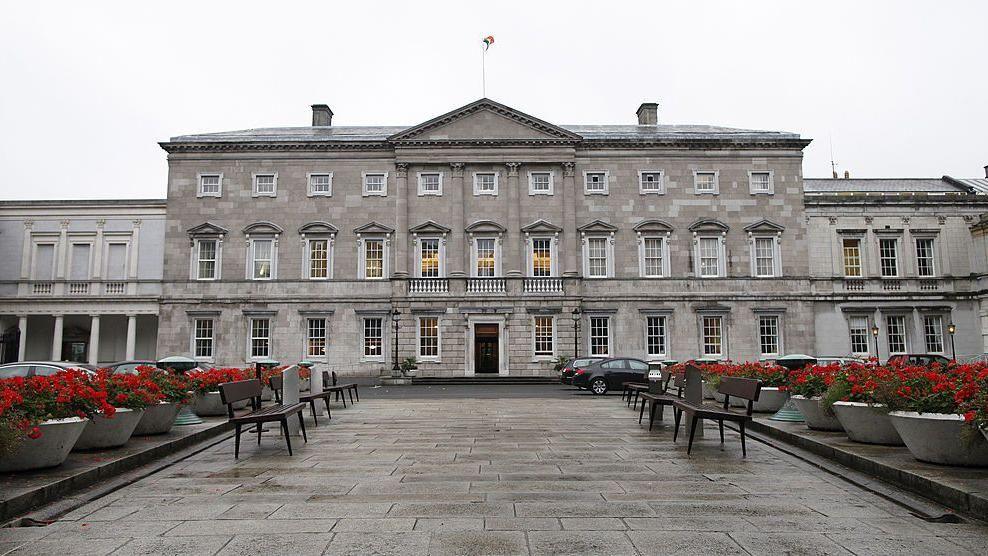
207	229
597	226
654	226
373	228
485	227
485	121
429	227
764	226
318	227
541	227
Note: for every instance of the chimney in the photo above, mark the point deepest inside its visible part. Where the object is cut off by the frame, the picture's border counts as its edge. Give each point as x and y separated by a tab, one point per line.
986	172
847	175
322	116
648	113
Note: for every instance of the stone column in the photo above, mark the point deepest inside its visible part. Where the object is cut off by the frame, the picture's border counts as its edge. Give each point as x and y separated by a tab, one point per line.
131	336
56	338
94	340
98	251
135	240
512	252
401	221
568	244
22	340
62	251
457	251
26	250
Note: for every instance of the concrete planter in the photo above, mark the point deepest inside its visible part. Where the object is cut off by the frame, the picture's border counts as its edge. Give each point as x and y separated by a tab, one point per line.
103	432
770	400
157	419
304	385
938	438
58	436
709	393
267	394
867	423
816	414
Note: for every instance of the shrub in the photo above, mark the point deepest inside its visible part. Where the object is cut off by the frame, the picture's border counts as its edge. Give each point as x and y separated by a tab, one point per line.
208	380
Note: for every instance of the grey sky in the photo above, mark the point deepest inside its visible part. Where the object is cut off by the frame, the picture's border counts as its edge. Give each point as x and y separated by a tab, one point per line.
89	88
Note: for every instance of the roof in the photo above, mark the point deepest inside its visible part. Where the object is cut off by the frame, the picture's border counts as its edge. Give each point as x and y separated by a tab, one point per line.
894	186
83	202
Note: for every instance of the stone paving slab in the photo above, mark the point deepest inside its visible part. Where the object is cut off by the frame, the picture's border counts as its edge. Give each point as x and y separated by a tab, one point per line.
577	476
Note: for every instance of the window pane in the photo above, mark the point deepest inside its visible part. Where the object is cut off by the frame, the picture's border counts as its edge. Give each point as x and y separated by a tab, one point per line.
430	183
596	181
655	335
373	339
924	257
373	258
262	258
540	182
852	257
374	183
318	258
653	256
429	337
260	343
597	257
759	181
599	336
209	184
933	333
651	181
319	183
709	257
712	336
429	253
859	335
316	338
264	183
203	338
889	257
768	330
486	183
485	258
764	256
44	262
541	257
543	336
207	259
705	181
896	332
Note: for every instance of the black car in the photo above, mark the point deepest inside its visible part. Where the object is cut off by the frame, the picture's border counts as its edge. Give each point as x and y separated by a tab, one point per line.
129	367
919	359
566	375
609	374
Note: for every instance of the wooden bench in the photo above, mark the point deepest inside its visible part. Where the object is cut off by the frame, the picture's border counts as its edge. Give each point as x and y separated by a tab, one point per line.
232	392
660	397
633	388
278	384
744	388
339	389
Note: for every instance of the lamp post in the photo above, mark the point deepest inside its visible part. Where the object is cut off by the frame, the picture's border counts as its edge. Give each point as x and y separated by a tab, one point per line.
874	333
951	328
576	332
394	318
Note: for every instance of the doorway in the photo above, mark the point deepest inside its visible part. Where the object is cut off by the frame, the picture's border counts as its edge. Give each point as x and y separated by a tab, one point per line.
486	348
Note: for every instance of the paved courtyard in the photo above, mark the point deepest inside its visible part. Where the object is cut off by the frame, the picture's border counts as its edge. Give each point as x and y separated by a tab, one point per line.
557	473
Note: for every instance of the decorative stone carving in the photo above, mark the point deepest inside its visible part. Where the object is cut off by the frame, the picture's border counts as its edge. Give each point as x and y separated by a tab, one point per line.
456	169
512	168
569	169
401	170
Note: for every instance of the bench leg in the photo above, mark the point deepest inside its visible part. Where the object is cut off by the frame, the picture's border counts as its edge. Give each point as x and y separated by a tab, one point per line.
236	444
329	413
341	396
260	429
689	447
651	414
721	424
288	437
357	392
679	415
744	451
301	425
351	395
312	406
641	412
636	399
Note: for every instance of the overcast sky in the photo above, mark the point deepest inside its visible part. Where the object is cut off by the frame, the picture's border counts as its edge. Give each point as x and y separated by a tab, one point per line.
87	89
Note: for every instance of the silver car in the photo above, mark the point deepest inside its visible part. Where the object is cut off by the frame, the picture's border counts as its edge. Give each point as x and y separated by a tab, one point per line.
41	368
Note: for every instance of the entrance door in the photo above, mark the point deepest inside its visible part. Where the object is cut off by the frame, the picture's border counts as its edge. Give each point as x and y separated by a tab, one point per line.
486	348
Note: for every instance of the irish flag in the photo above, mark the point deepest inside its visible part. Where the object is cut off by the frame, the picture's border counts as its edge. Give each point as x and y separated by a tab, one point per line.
488	41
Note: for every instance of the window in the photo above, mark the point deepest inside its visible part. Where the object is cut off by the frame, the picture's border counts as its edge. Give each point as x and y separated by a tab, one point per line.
429	337
79	268
933	333
260	338
709	248
895	329
210	185
924	257
544	336
485	183
202	338
315	337
206	268
652	253
44	261
858	327
375	184
429	258
321	185
713	336
600	338
265	185
888	255
768	335
486	260
764	256
373	337
760	182
541	257
852	257
655	336
318	259
597	257
116	261
540	183
430	183
262	257
650	182
373	259
705	182
595	183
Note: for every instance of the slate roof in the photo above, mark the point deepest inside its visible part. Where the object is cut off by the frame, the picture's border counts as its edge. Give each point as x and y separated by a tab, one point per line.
896	186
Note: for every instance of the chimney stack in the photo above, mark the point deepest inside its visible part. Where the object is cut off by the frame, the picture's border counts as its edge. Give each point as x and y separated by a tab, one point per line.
322	116
847	175
648	113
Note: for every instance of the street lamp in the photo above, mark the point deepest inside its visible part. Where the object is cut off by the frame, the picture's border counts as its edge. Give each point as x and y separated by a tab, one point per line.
576	332
394	318
951	329
874	333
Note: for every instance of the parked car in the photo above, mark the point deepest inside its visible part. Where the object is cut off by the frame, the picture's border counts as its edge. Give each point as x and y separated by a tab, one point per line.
838	359
40	368
566	374
608	374
129	367
921	359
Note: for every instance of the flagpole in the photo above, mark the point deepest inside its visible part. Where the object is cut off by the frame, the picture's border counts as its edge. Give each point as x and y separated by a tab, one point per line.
483	70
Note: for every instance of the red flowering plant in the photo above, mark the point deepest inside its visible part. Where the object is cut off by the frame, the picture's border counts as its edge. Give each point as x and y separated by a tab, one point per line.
125	390
173	388
304	372
267	373
770	374
812	381
202	381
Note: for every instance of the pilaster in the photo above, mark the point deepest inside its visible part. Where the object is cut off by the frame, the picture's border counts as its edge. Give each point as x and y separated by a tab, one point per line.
569	245
513	247
457	253
401	221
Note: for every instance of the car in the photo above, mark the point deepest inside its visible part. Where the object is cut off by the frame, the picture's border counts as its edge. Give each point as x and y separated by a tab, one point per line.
40	368
838	359
608	374
921	359
566	374
129	367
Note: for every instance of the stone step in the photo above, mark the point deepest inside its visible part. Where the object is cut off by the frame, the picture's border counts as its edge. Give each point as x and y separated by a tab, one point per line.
514	380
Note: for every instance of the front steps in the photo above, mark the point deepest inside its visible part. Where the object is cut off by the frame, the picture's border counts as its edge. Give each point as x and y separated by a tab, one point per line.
482	379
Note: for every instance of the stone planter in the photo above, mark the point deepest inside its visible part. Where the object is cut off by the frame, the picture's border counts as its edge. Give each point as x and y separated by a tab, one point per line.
304	385
157	419
770	400
267	394
816	414
102	432
709	393
867	423
58	436
211	405
939	438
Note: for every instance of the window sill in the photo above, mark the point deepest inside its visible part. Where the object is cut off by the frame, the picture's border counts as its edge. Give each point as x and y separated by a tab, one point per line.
485	193
761	192
217	195
369	194
595	192
651	192
543	193
320	194
706	192
256	195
